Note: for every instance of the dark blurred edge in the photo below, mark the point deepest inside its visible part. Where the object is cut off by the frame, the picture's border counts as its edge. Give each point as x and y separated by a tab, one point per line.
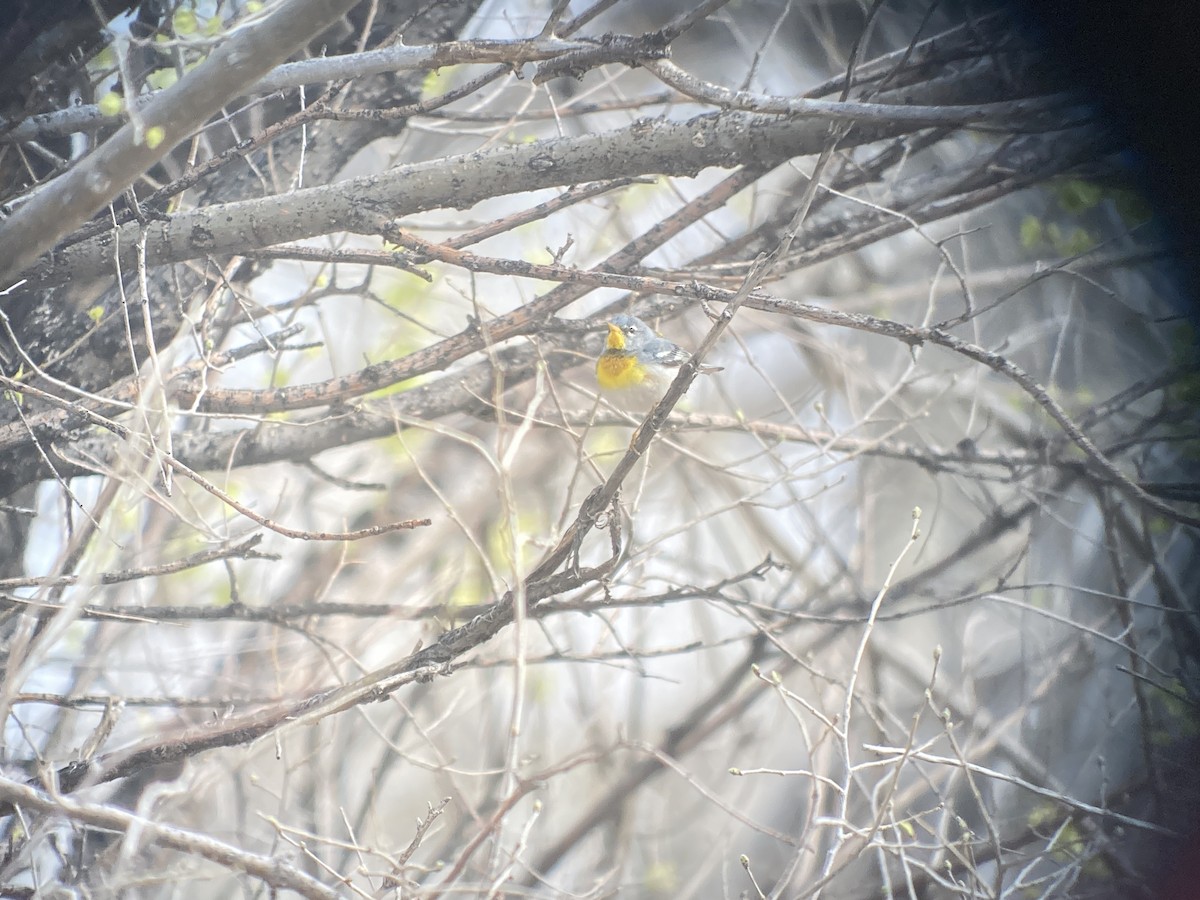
1140	62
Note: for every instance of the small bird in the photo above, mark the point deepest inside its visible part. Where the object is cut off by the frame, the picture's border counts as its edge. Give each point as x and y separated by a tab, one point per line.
637	364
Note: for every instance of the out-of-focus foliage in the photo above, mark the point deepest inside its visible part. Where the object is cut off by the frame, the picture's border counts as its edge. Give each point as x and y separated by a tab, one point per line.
898	604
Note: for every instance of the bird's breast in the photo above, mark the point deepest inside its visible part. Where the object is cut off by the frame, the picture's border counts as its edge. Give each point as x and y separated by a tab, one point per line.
619	370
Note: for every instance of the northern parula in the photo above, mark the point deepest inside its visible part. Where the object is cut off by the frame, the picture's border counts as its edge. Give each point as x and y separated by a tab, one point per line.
637	364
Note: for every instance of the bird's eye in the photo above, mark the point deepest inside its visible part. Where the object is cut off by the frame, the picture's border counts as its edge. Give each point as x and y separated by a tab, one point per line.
629	329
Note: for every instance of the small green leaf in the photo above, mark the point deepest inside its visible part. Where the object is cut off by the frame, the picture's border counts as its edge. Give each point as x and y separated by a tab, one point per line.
431	84
17	397
1031	232
1076	196
161	79
184	21
155	135
1160	525
96	313
662	878
111	104
1042	816
1079	241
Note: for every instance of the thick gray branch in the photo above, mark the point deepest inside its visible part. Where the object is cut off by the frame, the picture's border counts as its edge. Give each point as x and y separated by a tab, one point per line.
248	54
667	148
324	69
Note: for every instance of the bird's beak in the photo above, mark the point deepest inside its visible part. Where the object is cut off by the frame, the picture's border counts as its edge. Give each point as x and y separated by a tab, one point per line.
616	338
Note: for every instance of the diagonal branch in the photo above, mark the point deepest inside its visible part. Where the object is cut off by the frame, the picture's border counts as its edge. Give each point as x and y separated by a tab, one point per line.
249	53
669	148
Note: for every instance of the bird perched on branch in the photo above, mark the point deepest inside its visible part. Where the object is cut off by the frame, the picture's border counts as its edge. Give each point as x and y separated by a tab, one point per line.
637	365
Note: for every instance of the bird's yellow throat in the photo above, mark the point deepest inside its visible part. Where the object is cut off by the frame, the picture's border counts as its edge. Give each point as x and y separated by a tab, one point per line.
616	338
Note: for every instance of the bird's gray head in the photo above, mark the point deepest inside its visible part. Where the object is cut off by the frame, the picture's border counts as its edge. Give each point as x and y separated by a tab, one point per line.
632	325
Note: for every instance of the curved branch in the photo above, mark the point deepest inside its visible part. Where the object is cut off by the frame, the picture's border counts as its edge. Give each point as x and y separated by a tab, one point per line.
274	872
246	56
458	182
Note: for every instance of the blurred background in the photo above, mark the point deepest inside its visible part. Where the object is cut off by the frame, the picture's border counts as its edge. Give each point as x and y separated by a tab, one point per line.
879	624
